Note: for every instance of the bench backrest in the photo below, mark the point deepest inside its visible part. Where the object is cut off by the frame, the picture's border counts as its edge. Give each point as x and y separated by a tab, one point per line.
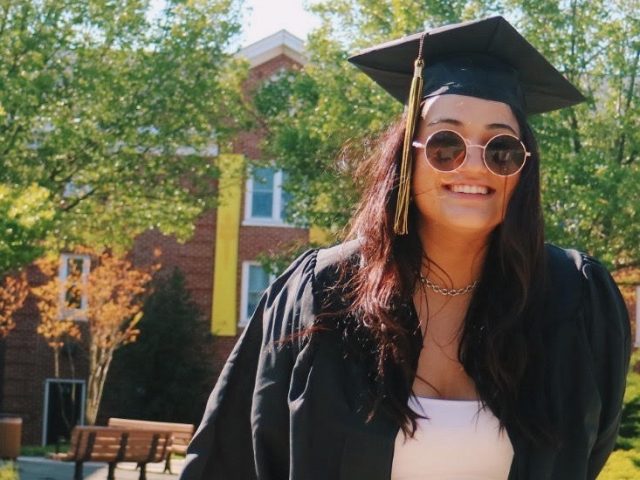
99	443
113	444
146	446
181	432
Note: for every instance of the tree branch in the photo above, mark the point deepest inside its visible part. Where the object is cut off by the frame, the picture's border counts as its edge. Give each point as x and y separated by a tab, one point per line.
623	137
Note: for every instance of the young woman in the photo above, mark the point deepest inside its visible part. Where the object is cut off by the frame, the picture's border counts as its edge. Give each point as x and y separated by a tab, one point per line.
445	340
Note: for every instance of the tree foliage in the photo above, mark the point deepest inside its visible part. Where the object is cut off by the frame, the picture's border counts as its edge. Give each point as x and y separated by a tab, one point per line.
13	292
115	292
591	178
112	115
26	215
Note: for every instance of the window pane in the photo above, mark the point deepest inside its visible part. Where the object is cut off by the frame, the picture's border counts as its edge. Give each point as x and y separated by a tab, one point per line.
262	195
258	283
262	204
263	179
73	297
258	279
74	266
252	303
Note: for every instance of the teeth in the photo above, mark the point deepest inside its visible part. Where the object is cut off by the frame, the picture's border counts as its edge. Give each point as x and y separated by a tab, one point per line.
469	189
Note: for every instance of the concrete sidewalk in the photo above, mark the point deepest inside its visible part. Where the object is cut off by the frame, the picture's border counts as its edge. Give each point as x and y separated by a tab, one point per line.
38	468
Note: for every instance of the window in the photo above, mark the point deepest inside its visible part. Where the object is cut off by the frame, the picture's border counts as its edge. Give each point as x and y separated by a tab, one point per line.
255	281
266	201
64	401
74	273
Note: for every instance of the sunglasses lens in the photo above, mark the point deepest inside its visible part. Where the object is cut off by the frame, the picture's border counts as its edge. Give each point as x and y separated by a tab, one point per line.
504	155
445	151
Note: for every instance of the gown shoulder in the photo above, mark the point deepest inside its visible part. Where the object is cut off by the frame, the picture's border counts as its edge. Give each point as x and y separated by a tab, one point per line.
581	285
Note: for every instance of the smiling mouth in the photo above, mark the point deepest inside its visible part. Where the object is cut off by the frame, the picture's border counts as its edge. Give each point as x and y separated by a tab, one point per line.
470	189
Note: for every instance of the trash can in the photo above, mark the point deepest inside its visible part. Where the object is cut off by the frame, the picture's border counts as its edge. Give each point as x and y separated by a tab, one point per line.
10	437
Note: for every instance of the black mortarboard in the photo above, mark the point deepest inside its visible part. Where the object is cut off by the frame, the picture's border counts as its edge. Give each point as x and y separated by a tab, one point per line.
484	58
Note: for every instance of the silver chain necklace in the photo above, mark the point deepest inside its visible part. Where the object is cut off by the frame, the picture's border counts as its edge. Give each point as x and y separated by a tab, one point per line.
449	292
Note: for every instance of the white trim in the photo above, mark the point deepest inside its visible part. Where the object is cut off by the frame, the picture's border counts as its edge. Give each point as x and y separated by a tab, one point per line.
276	219
244	291
279	43
45	415
258	222
63	273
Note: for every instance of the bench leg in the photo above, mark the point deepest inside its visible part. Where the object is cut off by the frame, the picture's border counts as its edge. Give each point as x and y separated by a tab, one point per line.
77	471
112	471
143	471
167	465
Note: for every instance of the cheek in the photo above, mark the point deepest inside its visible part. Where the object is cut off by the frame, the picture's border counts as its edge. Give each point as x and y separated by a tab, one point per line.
423	177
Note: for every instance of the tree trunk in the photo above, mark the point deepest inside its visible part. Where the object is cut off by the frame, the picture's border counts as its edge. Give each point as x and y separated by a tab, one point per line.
100	361
56	362
92	409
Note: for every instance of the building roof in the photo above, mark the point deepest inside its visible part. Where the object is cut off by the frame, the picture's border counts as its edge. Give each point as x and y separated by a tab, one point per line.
279	43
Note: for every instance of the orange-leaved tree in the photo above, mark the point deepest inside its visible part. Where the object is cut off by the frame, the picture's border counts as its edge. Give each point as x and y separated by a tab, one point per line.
115	291
13	292
57	320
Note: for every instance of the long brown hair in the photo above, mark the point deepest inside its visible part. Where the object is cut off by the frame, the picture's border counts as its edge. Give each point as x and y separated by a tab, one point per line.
494	347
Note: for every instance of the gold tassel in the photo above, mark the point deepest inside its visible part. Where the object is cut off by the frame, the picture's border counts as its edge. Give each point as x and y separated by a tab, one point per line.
400	226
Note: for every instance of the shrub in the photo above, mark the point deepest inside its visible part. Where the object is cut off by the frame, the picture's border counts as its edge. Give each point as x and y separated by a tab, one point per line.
163	376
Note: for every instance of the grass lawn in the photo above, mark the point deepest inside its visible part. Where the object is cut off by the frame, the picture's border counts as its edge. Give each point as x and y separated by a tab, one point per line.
622	465
624	462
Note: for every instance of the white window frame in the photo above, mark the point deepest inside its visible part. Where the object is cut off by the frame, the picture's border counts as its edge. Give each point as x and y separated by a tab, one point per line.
244	291
276	219
47	391
76	314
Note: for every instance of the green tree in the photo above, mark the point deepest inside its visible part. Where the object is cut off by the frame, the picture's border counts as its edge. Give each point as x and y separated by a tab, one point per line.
26	214
591	153
591	181
162	375
114	115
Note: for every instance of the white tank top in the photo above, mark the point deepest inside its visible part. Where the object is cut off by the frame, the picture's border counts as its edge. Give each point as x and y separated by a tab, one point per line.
458	442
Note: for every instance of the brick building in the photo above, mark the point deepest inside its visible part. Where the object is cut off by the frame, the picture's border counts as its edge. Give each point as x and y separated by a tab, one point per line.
219	264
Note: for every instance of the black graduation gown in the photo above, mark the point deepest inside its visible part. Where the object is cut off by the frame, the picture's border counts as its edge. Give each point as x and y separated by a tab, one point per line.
288	408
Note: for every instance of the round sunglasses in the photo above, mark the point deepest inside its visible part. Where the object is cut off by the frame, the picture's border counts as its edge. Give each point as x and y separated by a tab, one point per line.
446	151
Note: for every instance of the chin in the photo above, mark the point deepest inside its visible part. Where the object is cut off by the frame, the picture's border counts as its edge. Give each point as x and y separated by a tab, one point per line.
467	224
468	220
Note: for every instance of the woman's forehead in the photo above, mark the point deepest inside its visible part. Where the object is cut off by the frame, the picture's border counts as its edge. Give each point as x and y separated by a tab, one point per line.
467	110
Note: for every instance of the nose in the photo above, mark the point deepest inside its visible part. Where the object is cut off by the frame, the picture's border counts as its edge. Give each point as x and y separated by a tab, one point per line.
474	161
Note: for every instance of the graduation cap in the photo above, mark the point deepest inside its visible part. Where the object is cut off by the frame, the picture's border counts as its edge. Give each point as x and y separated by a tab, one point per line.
485	58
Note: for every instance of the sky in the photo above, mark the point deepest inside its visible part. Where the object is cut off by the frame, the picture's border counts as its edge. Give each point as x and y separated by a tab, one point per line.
265	17
270	16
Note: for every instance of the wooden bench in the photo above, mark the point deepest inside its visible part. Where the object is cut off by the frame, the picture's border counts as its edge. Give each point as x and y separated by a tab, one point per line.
181	433
112	445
